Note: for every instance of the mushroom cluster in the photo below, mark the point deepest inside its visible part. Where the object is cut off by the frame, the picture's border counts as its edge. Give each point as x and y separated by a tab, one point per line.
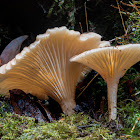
43	69
49	68
111	63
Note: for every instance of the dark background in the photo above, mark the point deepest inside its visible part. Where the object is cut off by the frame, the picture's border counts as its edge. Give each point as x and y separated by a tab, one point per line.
20	17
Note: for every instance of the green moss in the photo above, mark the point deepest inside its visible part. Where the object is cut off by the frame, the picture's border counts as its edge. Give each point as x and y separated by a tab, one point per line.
129	112
13	127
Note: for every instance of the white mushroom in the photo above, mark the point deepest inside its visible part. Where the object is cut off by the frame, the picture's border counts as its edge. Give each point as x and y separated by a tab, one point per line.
43	69
111	63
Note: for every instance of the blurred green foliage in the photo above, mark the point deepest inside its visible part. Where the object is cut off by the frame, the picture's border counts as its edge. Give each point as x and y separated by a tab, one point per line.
63	9
132	24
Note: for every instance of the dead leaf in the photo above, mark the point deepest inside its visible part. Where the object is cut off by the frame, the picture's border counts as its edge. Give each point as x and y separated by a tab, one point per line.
26	104
11	50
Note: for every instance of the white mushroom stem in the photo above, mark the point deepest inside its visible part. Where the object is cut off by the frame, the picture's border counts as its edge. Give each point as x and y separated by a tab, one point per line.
111	63
67	106
112	88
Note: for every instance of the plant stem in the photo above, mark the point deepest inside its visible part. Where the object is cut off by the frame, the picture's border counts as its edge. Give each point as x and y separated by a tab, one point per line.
112	87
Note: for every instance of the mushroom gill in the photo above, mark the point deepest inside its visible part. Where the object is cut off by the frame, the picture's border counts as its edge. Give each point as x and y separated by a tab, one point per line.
43	69
111	63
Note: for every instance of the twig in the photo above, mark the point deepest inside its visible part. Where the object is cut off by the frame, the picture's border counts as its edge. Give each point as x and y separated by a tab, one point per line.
136	7
85	126
86	16
114	39
135	124
126	4
88	84
42	7
81	27
137	78
136	29
118	8
121	16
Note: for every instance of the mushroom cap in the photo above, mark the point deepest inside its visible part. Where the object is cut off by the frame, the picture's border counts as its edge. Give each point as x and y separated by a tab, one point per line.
110	62
43	69
104	44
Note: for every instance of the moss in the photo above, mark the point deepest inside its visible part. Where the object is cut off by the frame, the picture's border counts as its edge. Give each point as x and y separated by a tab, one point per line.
66	128
129	113
12	125
76	126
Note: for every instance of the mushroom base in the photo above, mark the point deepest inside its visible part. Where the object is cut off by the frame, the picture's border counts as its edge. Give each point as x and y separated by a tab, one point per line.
112	99
67	106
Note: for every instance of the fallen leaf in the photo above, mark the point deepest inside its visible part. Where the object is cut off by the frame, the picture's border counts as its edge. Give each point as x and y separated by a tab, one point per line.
26	104
11	50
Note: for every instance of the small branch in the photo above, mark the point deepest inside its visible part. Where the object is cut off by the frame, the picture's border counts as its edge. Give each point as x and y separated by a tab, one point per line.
81	27
121	16
42	7
114	39
85	126
135	124
120	9
137	78
126	4
136	29
136	7
88	85
86	16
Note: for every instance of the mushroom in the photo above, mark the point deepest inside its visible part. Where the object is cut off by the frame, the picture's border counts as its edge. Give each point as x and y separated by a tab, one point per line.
111	63
43	69
104	44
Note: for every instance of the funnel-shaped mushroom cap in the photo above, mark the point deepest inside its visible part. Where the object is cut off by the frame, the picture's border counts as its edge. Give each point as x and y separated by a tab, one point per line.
110	61
43	69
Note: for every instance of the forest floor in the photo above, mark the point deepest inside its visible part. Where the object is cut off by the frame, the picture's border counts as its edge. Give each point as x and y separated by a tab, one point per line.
91	118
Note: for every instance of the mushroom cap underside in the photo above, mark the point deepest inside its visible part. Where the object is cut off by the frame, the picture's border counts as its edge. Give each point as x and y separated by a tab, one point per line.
110	62
43	69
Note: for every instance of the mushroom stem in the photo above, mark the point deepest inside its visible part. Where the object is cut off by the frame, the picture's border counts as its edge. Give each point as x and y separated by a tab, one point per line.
112	87
67	106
